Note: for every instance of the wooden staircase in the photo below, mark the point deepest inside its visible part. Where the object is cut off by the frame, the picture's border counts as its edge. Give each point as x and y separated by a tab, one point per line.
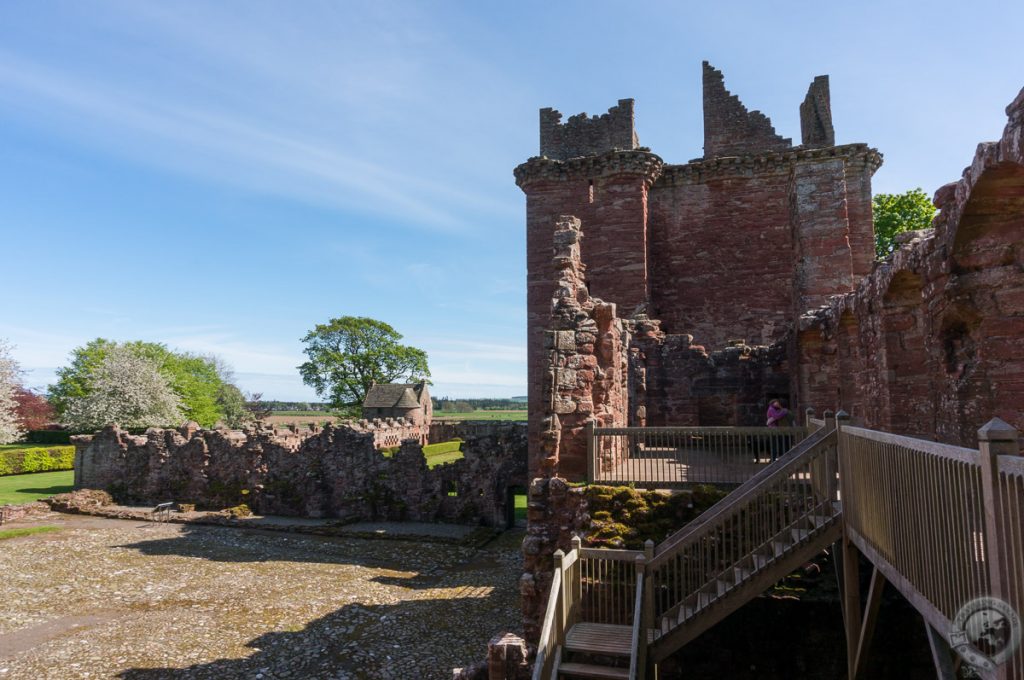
755	536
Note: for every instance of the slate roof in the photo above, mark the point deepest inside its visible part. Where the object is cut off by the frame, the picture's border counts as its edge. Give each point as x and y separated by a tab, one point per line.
395	396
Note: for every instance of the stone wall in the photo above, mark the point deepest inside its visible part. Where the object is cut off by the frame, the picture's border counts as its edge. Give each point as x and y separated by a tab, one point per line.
931	343
389	432
333	472
734	246
583	136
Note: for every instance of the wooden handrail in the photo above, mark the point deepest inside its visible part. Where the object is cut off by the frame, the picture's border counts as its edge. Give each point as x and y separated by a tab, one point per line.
638	645
782	469
546	644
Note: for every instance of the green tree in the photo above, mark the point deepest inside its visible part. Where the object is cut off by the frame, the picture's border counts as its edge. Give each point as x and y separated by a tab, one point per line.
195	379
128	389
897	213
349	354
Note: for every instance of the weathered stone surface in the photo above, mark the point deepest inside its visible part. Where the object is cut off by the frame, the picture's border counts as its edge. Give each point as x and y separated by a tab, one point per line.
931	343
335	472
734	245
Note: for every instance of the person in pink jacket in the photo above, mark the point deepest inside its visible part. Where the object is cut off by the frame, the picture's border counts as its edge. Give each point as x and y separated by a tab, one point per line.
776	414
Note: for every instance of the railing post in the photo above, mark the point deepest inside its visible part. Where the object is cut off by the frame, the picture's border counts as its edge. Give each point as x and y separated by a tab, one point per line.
830	419
842	420
577	571
641	616
648	620
996	438
591	452
559	632
808	414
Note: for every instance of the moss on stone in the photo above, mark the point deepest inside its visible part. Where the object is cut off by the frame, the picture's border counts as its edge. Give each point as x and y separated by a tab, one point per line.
624	517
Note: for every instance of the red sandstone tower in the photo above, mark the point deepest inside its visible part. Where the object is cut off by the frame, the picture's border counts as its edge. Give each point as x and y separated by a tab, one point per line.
732	246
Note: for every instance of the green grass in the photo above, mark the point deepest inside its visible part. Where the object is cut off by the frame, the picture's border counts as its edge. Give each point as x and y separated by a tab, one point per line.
17	489
26	531
445	452
520	507
303	414
480	415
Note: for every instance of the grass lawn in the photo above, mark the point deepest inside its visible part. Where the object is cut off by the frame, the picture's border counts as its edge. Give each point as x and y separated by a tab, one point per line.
480	415
26	531
520	507
445	452
303	414
24	488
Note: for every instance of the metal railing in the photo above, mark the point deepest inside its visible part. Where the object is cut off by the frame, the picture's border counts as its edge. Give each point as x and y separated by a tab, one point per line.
664	457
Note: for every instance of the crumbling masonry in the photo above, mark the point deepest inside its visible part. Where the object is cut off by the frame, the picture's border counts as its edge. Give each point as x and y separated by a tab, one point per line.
336	471
693	294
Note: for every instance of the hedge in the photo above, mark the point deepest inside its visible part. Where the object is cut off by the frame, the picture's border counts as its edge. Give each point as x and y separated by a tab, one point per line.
20	461
49	437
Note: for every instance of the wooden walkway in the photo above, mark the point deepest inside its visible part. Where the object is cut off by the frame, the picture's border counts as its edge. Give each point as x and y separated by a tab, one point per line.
683	468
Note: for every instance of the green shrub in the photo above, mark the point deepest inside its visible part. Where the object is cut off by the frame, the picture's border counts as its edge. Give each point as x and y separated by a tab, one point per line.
49	437
37	459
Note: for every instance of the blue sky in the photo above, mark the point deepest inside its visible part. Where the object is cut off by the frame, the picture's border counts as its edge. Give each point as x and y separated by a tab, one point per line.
222	176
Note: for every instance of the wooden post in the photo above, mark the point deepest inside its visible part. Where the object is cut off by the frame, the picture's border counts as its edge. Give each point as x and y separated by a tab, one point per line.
577	582
559	620
808	414
996	438
842	419
648	607
591	452
851	602
641	615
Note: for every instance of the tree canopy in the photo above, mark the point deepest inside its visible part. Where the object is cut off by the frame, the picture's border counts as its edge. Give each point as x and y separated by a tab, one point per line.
126	388
897	213
349	354
197	380
10	383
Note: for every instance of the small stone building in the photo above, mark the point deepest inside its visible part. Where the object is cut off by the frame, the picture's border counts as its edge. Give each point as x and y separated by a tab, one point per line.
411	402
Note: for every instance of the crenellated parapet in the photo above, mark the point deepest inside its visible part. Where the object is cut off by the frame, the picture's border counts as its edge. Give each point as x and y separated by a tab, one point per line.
729	128
640	163
584	135
860	157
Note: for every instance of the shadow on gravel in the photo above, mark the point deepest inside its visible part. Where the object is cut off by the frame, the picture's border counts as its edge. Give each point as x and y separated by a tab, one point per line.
229	544
417	638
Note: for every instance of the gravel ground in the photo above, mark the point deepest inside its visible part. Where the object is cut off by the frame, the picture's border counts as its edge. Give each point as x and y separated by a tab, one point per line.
141	601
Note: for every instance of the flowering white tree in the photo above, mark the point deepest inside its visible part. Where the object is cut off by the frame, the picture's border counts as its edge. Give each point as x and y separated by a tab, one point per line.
126	389
10	382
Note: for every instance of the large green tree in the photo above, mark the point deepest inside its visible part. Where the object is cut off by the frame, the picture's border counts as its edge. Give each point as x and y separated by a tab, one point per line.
349	354
195	379
897	213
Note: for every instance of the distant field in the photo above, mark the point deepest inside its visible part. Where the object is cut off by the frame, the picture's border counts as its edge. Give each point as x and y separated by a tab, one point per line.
25	488
303	418
480	415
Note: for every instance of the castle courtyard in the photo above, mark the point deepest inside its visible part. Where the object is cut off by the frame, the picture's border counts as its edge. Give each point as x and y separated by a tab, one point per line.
145	600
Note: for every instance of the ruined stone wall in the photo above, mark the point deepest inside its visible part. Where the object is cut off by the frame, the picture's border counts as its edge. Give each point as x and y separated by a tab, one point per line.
734	246
586	372
932	342
389	432
677	383
333	472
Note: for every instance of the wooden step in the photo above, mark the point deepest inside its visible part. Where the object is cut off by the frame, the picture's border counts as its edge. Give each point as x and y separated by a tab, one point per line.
799	534
740	574
589	670
780	547
684	614
600	638
818	521
760	561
